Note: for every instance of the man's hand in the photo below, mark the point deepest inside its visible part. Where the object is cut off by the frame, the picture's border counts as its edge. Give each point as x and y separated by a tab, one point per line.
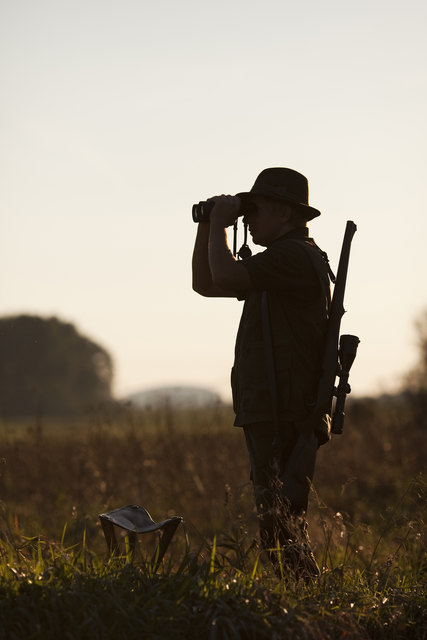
226	210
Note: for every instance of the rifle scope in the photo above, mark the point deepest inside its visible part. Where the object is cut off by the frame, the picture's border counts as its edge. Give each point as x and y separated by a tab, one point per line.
346	355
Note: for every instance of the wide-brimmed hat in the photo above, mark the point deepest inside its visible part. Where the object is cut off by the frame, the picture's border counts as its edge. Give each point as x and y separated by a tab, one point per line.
284	184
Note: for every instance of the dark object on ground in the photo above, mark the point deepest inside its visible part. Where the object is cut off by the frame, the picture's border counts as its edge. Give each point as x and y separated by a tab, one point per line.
136	520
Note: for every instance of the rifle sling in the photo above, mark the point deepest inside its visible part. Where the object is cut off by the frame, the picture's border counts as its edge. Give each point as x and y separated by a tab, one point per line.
270	361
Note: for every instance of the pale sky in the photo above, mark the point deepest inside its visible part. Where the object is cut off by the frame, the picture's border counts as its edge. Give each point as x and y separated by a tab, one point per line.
117	116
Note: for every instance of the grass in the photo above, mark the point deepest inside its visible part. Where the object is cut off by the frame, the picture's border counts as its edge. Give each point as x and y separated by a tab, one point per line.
48	591
367	515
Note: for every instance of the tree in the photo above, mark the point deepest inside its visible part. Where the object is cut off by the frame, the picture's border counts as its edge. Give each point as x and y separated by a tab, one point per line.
415	382
47	367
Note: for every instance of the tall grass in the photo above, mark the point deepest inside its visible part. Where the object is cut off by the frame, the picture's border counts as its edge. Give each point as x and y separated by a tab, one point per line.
225	590
367	514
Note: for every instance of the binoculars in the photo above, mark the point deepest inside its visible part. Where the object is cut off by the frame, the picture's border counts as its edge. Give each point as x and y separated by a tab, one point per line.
201	210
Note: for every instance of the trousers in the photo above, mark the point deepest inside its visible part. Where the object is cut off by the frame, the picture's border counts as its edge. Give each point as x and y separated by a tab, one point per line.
282	522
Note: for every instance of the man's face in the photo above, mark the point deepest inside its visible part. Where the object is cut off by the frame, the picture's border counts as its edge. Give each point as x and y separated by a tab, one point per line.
267	219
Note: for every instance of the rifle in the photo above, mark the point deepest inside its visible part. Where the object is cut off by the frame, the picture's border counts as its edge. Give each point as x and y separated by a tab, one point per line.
337	360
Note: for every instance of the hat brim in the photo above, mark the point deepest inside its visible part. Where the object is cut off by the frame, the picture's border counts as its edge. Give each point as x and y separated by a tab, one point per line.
308	212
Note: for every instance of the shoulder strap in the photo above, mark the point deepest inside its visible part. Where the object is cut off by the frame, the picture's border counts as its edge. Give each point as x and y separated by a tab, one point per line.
312	245
270	361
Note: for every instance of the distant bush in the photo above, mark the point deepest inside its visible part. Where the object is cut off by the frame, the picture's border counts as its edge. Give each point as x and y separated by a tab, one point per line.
47	367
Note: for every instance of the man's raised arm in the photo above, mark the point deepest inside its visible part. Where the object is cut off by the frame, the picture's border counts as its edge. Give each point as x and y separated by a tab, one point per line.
202	277
216	273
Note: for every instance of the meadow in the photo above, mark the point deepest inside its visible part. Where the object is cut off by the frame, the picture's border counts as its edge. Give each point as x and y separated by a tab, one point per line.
366	522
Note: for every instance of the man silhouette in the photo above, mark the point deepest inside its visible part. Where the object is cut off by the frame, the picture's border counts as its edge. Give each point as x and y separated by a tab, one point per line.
279	345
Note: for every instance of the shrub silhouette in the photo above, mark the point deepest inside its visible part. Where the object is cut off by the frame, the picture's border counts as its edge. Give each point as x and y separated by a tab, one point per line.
47	367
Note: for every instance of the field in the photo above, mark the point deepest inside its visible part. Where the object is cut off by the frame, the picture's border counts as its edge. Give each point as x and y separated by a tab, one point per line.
366	516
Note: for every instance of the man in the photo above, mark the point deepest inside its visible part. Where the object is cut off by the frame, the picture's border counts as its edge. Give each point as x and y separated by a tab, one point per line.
278	348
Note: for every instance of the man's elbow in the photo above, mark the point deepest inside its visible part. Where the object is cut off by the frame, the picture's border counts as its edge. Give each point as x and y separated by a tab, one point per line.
197	290
196	287
200	288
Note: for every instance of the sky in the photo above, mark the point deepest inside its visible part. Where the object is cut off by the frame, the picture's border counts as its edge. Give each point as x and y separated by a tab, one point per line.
117	116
